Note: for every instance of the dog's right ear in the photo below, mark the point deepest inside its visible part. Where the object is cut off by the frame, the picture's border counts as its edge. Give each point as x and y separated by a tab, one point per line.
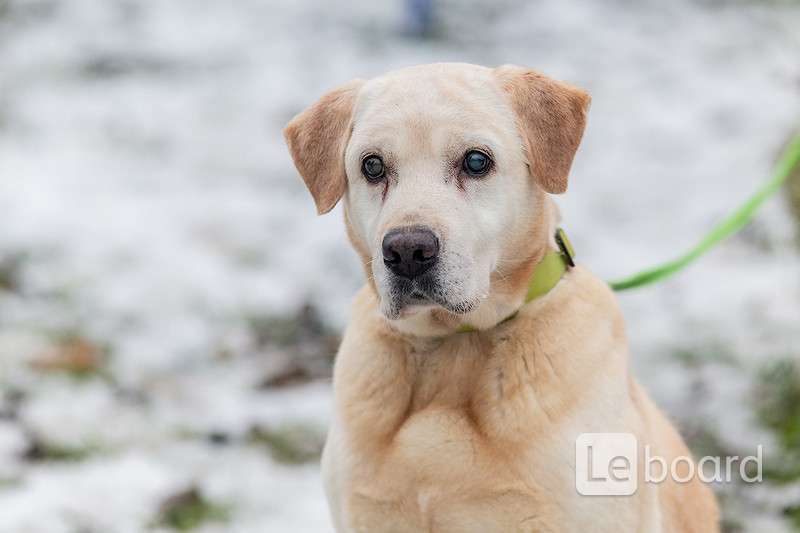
317	139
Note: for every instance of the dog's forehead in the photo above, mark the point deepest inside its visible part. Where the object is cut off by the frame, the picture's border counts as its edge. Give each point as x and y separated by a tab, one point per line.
453	95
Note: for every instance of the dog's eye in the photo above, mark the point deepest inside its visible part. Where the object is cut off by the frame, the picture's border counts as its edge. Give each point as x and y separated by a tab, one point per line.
373	168
476	163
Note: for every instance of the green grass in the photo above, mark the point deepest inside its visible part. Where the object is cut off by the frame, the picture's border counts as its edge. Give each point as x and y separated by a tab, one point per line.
697	356
288	331
11	269
291	443
778	401
792	513
9	482
189	510
793	197
41	451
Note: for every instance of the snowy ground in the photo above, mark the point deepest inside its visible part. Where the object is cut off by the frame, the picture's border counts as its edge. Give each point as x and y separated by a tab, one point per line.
164	340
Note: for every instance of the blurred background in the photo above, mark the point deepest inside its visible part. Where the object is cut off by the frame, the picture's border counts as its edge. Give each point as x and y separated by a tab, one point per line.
170	304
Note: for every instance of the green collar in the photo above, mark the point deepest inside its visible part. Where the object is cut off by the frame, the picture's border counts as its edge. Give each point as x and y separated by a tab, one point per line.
545	275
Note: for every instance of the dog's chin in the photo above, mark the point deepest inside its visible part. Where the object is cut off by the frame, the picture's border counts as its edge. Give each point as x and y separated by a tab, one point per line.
408	306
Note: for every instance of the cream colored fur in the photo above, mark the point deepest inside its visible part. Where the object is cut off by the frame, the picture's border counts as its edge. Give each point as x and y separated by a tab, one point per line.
437	431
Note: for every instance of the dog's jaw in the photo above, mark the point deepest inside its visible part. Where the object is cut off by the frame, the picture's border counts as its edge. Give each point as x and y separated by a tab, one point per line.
437	319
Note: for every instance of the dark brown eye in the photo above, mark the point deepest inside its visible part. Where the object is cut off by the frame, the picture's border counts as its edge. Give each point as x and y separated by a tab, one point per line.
476	163
373	168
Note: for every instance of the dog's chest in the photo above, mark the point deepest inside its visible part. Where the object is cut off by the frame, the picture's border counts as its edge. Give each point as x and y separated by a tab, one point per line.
439	474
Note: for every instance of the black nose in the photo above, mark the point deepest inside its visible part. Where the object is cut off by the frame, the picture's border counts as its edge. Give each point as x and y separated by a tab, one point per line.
410	251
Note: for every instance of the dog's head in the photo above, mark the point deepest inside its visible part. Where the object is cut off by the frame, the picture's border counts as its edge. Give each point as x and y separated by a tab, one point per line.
443	169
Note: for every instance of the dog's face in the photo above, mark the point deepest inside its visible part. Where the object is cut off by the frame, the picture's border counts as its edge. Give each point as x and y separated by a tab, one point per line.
442	167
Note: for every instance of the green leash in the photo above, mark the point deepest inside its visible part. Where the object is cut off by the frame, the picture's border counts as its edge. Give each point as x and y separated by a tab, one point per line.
733	223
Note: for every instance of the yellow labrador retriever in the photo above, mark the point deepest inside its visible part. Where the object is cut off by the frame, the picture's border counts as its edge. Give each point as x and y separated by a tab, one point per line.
477	353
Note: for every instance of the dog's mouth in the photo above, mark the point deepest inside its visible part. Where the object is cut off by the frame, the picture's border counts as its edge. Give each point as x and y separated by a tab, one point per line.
411	296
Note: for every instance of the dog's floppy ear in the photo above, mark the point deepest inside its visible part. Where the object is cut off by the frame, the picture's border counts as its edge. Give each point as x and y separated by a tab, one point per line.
551	117
317	139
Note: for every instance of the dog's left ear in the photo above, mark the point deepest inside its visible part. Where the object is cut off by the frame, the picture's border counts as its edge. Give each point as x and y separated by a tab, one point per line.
317	139
551	117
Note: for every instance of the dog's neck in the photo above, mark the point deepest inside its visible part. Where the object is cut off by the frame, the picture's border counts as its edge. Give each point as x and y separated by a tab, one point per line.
508	287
